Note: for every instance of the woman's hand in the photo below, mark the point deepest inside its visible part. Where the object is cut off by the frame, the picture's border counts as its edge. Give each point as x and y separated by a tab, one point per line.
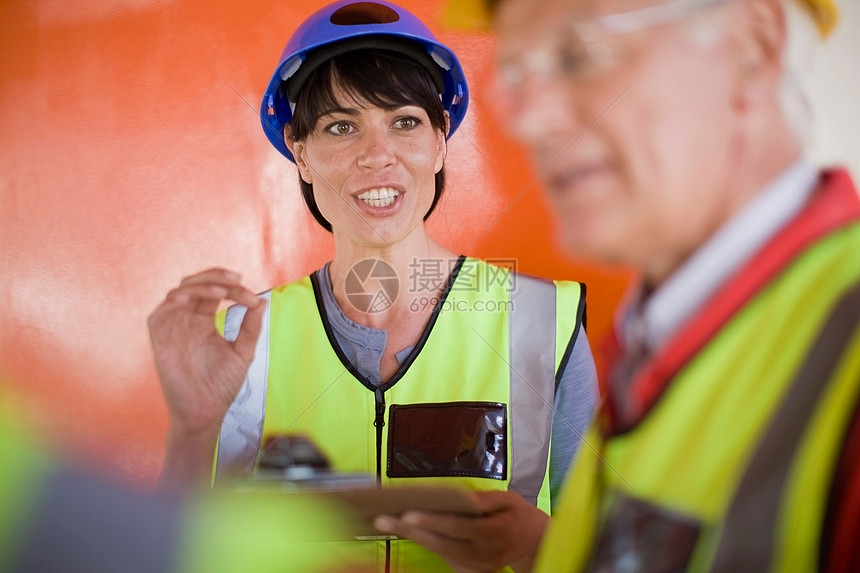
200	372
509	533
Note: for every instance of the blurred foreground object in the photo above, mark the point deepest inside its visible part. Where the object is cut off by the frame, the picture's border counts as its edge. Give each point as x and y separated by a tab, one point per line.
57	519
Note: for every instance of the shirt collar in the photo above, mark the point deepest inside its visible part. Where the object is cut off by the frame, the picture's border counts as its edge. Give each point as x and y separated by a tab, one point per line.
652	320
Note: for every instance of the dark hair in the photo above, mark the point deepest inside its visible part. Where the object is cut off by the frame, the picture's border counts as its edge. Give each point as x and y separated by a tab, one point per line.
383	78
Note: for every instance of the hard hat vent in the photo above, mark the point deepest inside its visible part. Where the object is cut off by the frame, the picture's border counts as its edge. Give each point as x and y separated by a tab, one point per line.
362	13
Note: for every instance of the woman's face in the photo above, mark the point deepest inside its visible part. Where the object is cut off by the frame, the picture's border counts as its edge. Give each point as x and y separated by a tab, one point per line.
372	169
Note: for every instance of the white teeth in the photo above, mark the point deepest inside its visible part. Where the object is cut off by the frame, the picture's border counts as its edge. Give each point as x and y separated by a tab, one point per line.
379	197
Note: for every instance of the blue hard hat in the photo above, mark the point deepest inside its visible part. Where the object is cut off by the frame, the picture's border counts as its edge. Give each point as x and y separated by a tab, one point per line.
349	25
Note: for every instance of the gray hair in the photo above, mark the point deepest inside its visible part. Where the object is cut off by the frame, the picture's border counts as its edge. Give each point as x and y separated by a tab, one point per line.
798	60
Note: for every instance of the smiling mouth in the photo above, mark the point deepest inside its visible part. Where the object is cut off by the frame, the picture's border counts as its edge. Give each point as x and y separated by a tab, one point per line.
381	197
577	177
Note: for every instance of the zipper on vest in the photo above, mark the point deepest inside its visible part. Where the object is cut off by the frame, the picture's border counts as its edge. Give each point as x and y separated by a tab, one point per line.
379	423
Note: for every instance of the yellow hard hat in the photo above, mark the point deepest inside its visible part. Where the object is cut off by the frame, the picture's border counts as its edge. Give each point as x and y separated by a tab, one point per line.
475	14
825	12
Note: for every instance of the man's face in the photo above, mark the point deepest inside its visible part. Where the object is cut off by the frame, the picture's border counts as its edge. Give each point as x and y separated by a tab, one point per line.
638	154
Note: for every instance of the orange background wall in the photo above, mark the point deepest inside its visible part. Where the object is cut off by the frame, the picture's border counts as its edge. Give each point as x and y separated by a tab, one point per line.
132	155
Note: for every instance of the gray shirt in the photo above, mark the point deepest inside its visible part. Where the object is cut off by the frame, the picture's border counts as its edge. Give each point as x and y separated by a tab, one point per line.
575	400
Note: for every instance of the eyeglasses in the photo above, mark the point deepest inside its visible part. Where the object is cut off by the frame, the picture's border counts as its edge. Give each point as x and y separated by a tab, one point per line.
582	49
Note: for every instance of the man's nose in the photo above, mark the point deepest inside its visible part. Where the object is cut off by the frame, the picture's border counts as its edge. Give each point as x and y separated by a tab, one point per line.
543	108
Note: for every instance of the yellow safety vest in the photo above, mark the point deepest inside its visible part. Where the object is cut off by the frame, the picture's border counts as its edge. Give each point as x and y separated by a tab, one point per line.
729	463
471	406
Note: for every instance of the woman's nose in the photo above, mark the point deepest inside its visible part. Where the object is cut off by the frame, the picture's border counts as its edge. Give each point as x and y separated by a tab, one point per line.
377	149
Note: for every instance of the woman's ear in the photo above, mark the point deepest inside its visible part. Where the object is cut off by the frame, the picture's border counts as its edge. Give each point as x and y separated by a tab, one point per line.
442	144
297	148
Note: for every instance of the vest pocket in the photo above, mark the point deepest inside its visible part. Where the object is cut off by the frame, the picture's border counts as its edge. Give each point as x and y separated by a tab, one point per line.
462	439
645	536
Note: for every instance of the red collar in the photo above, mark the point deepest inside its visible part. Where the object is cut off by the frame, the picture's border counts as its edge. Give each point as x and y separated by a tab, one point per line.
833	205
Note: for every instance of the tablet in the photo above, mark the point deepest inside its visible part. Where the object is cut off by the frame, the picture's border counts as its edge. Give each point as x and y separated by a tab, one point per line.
367	503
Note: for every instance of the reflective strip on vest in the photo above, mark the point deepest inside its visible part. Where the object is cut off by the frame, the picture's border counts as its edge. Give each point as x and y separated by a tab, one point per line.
747	542
242	428
532	334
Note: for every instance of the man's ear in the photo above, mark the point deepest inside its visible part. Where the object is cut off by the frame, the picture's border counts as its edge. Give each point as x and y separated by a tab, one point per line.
761	41
297	148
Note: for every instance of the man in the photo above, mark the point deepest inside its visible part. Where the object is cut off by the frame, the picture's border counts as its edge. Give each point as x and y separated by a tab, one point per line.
670	136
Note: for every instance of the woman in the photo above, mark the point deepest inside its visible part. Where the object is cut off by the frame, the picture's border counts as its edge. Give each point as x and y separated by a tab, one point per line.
399	357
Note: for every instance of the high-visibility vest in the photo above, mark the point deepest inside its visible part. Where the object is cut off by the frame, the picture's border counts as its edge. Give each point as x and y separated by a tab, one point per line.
471	406
738	423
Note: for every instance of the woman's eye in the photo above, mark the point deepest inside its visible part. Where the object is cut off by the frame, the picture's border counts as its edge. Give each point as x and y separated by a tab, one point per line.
407	123
340	128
